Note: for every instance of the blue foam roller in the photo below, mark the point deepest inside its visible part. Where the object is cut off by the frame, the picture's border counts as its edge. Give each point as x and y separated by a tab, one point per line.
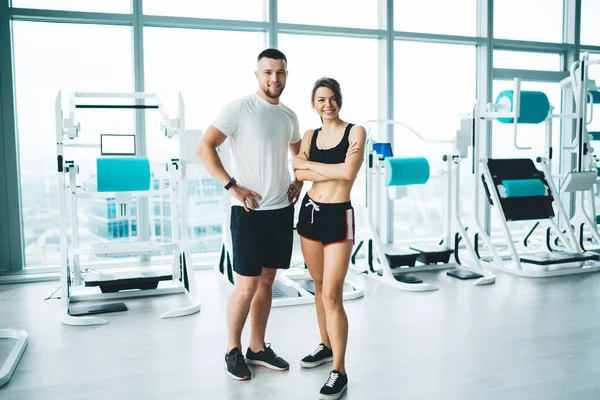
595	135
524	188
406	171
123	174
595	97
534	106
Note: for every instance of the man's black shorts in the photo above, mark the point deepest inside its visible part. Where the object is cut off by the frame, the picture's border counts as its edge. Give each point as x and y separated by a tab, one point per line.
261	239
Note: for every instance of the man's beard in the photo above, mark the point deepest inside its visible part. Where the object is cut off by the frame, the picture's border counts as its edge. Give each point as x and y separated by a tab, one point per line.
270	92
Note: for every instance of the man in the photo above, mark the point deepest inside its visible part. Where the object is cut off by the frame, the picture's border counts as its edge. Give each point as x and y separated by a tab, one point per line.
260	131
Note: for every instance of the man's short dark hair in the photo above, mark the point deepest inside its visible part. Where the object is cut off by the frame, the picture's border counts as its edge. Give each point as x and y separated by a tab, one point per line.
272	53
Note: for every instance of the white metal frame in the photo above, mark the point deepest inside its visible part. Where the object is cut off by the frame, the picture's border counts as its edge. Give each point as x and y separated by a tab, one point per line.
568	238
10	364
579	85
454	225
67	131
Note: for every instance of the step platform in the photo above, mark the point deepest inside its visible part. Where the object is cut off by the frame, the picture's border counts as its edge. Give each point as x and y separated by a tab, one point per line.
401	257
79	309
464	274
558	257
432	253
113	282
402	275
406	278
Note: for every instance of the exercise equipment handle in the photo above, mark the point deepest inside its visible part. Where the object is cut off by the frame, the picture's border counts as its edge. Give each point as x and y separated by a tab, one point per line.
414	132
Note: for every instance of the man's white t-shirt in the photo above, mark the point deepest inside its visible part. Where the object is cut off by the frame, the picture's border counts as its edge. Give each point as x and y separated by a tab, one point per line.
259	134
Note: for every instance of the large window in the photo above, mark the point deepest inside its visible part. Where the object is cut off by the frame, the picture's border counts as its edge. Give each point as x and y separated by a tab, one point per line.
433	84
211	69
49	58
109	6
336	58
361	14
430	100
458	17
533	20
590	29
252	10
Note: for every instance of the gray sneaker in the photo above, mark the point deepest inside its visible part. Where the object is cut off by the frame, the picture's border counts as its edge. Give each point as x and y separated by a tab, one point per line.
236	365
267	358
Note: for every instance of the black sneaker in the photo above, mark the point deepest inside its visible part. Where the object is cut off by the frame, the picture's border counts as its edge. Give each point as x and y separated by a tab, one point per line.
320	355
236	365
334	387
267	358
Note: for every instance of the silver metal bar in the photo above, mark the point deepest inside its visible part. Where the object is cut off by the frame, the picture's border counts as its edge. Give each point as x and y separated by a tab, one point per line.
125	248
100	95
528	75
36	15
143	221
438	38
533	47
203	23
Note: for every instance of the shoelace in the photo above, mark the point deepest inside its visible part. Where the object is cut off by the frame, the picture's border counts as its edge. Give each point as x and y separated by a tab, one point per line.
317	350
314	206
269	350
332	378
238	358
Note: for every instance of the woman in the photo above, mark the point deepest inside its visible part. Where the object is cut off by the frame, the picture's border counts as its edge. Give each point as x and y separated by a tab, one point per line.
330	157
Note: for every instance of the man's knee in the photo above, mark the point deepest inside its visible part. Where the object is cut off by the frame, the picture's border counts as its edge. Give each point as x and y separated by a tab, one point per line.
246	286
267	277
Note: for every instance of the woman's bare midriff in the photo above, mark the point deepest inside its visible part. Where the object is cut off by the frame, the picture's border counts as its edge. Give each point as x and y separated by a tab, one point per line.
331	191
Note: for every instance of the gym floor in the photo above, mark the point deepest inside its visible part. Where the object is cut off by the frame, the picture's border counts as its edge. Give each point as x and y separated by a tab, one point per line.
518	339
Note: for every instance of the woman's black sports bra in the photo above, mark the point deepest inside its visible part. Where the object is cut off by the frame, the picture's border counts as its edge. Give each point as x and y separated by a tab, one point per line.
334	155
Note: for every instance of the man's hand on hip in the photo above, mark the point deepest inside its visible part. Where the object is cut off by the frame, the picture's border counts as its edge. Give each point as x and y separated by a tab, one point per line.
246	196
